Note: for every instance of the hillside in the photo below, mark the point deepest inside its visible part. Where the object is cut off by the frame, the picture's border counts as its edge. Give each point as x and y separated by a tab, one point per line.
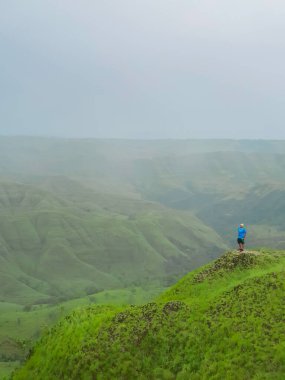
263	208
223	182
21	326
85	220
222	321
52	247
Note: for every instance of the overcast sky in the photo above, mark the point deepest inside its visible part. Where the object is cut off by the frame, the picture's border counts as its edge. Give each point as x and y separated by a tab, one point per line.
143	68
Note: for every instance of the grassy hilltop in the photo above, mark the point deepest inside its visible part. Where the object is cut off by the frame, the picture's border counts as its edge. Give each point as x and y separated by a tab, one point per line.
222	321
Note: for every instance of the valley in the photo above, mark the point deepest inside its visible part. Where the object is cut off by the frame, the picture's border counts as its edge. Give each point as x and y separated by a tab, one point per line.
86	222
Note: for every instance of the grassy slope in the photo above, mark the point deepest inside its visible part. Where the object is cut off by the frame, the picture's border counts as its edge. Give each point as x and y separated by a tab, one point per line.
26	323
222	321
21	327
51	246
69	242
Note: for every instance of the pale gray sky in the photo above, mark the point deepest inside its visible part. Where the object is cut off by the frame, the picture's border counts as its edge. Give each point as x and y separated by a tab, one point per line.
143	68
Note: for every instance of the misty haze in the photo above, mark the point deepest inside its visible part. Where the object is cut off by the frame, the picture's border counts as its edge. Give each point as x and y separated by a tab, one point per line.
142	190
143	69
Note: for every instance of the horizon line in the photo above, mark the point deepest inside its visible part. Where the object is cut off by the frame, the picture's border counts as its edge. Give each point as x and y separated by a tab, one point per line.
141	139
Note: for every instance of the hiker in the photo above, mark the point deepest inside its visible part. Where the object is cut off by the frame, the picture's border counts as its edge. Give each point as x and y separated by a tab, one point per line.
241	237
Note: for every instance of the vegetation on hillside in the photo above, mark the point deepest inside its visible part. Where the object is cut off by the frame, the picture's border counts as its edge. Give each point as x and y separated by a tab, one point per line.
51	248
222	181
222	321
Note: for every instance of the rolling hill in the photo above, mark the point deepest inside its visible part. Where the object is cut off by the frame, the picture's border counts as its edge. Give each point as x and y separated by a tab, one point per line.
222	321
223	182
51	246
60	240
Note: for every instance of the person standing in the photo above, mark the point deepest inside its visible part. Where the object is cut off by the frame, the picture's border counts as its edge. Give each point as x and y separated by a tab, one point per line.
241	237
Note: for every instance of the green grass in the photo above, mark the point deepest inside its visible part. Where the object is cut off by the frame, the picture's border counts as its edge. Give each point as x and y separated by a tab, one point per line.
222	321
21	329
26	322
6	368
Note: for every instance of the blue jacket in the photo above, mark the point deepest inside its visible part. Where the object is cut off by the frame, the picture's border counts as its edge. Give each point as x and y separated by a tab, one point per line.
241	232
